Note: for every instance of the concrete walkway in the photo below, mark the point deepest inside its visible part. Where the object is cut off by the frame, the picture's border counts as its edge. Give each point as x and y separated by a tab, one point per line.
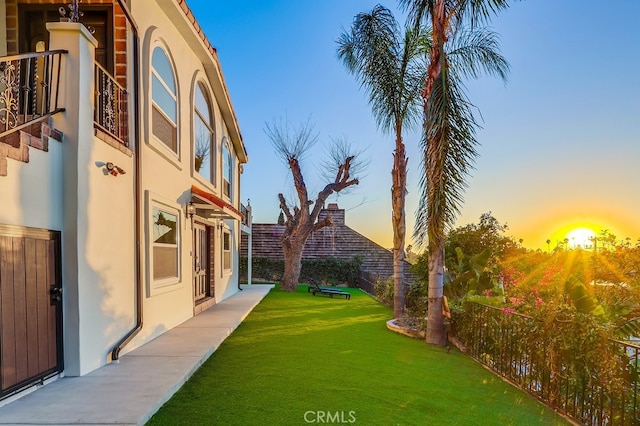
131	391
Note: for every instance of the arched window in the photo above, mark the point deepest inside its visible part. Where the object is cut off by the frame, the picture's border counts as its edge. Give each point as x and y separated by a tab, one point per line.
227	168
203	136
164	115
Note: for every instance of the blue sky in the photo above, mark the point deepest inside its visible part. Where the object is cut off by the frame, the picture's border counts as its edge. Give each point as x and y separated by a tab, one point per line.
559	144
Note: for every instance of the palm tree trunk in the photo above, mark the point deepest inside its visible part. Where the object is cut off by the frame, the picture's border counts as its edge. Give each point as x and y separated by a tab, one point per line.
398	195
434	156
435	327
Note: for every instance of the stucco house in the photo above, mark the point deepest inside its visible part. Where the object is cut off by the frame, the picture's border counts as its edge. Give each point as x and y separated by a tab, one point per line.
120	166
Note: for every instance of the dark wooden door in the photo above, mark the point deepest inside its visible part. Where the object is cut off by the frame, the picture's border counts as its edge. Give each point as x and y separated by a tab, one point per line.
30	307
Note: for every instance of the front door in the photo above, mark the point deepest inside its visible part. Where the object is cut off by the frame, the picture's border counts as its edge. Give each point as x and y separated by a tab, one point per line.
30	307
200	262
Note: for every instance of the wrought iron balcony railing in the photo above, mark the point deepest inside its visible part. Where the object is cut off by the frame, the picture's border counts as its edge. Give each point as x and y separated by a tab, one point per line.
111	112
28	92
245	214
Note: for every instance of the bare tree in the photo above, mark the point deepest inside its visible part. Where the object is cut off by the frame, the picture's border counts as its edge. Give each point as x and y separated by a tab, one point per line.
302	220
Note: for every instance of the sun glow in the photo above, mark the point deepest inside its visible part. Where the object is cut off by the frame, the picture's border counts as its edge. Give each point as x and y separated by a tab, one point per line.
580	237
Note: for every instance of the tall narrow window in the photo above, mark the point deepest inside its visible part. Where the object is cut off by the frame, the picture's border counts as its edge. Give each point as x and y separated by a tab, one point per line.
226	251
203	147
164	115
165	244
227	168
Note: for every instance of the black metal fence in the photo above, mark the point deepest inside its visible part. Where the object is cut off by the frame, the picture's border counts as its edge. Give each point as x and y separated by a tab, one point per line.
28	89
367	282
594	380
111	106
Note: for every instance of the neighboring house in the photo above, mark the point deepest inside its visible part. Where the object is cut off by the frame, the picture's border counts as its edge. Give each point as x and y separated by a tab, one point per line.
338	241
120	164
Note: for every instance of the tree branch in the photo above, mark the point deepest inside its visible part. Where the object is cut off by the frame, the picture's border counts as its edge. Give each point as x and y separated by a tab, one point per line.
326	221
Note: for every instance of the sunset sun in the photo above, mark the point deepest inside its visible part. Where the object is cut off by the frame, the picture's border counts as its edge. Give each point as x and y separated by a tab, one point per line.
581	237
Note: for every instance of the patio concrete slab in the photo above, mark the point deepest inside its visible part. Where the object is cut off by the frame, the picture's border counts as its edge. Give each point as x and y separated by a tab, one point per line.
131	391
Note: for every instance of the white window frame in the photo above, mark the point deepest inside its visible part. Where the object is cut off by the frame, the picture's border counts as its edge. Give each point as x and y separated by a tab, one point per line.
227	154
226	233
155	142
210	124
163	285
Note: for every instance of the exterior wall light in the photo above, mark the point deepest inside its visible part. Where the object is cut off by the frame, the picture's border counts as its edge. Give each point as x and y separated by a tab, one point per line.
191	210
114	170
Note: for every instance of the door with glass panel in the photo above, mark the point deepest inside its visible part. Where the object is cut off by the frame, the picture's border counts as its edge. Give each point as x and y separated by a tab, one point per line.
200	262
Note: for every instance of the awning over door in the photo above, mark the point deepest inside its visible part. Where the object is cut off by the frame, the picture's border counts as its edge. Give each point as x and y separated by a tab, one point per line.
209	205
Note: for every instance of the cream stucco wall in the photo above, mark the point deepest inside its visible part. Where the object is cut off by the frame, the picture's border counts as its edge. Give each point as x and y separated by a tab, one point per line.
98	219
167	177
68	189
31	192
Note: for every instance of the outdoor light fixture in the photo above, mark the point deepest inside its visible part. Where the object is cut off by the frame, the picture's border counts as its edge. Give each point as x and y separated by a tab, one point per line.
191	210
114	170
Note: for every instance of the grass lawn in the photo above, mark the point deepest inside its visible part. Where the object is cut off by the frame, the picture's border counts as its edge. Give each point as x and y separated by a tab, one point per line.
299	359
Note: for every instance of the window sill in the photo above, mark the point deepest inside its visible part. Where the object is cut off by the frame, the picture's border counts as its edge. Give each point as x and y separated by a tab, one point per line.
164	286
208	185
165	152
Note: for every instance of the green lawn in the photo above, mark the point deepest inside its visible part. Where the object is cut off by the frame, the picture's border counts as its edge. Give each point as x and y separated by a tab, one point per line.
299	359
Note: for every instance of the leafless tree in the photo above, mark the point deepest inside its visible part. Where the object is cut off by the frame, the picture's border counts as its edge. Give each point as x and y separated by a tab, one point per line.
301	218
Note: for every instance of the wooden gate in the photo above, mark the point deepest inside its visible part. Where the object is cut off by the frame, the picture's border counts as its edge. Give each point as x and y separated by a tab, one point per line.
30	307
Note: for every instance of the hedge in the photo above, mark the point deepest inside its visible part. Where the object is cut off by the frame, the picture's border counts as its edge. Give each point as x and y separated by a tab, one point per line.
329	270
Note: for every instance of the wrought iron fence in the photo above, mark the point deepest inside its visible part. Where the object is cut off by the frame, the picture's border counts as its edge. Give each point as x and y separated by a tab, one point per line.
111	112
367	282
29	87
593	380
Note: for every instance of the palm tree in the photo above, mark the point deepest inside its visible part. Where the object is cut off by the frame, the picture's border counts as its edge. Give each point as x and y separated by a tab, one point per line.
391	67
460	49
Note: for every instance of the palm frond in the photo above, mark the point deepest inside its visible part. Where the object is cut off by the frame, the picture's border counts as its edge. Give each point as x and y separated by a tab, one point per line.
449	148
419	10
474	52
385	65
628	329
476	12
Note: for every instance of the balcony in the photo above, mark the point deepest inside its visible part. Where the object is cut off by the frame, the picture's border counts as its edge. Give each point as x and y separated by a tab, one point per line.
29	90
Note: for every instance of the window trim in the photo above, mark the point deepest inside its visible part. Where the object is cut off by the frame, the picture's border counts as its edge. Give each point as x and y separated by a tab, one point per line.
225	183
156	143
211	125
226	232
163	285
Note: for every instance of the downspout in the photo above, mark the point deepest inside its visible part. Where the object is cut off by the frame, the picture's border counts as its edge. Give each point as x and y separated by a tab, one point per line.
249	242
238	251
115	352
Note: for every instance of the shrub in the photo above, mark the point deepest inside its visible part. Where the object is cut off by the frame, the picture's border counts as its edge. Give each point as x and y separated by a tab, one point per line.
327	270
384	291
417	300
555	353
